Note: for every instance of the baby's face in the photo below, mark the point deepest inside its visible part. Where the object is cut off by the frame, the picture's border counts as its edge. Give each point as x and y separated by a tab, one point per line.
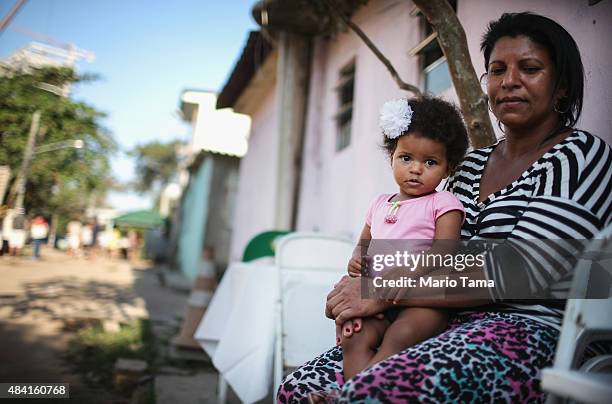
419	165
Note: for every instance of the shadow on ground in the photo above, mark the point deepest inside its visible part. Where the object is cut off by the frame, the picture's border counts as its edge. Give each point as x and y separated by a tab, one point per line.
69	297
36	358
36	325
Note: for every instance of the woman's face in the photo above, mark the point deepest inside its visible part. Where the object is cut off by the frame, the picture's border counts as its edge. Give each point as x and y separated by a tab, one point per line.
520	82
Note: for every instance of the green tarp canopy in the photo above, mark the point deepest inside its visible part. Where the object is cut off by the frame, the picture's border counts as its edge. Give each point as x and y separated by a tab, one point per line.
143	219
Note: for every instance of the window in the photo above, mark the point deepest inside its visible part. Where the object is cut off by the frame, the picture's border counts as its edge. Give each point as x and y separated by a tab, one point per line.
435	70
344	117
436	76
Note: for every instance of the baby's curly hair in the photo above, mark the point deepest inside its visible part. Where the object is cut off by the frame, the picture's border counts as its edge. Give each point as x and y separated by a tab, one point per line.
437	120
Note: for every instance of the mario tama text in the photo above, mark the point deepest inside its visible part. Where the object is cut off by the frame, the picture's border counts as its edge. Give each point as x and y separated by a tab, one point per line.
432	282
479	268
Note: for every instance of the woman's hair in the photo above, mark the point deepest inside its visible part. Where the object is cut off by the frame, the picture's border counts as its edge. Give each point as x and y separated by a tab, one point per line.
437	120
562	49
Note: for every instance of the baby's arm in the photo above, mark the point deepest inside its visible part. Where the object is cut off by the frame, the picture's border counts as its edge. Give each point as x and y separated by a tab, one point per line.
354	264
448	226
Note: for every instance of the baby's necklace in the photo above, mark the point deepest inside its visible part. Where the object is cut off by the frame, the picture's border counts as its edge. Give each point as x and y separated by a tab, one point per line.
391	216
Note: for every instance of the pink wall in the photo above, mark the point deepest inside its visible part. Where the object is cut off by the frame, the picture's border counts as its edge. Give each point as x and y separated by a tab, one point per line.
338	186
254	209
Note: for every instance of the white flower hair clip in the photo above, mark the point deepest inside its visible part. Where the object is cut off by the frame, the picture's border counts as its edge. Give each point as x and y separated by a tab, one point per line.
395	118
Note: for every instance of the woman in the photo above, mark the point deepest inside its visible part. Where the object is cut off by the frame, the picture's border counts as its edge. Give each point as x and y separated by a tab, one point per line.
543	180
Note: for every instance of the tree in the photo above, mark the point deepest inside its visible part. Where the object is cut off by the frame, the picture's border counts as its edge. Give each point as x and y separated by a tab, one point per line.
60	182
453	42
156	165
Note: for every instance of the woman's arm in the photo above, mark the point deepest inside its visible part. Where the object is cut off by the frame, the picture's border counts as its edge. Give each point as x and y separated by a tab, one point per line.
345	302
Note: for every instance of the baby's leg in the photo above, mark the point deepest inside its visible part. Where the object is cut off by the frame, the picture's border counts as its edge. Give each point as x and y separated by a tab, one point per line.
359	348
413	325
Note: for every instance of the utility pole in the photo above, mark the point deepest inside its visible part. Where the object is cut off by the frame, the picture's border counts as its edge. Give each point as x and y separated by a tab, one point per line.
18	189
5	176
7	19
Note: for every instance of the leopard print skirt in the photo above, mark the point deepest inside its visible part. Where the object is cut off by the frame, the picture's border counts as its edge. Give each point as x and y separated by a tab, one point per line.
481	357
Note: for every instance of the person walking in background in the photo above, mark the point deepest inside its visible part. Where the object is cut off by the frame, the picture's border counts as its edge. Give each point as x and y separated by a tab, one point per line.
124	245
38	232
5	231
113	245
87	238
18	233
133	248
103	241
74	237
95	235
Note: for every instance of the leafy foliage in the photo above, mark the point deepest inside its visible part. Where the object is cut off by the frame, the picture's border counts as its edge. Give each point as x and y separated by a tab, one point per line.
156	164
93	351
62	181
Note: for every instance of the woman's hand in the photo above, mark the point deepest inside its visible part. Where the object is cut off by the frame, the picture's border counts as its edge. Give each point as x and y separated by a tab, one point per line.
344	302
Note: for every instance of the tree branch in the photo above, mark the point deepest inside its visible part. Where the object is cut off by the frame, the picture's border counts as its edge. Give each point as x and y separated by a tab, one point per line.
334	9
453	42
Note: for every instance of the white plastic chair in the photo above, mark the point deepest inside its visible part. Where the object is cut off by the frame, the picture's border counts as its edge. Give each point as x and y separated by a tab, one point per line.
585	321
309	264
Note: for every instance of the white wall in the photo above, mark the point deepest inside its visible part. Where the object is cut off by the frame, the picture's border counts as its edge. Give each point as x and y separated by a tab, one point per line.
254	211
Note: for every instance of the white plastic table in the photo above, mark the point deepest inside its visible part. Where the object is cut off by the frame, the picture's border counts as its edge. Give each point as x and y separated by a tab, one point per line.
237	330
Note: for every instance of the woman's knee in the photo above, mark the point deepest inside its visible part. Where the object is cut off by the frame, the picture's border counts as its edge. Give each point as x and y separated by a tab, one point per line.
383	382
320	374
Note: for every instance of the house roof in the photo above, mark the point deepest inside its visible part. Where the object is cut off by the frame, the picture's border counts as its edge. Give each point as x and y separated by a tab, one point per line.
303	17
188	104
253	55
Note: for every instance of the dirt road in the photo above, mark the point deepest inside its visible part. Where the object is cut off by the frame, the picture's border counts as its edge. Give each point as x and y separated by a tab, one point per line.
37	297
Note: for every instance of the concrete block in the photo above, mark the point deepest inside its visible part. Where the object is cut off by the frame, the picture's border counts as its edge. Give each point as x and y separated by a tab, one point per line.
199	388
128	372
111	326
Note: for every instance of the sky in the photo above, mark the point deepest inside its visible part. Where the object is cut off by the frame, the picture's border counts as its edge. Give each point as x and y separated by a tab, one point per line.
147	53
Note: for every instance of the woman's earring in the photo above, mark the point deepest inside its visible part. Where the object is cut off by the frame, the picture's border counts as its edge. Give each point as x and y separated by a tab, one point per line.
486	99
499	125
483	79
558	110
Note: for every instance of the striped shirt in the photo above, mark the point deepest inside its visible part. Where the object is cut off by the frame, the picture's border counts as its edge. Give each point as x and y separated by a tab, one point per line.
564	196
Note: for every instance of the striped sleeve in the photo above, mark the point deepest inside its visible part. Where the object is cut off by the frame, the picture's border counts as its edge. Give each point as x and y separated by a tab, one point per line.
572	204
594	188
